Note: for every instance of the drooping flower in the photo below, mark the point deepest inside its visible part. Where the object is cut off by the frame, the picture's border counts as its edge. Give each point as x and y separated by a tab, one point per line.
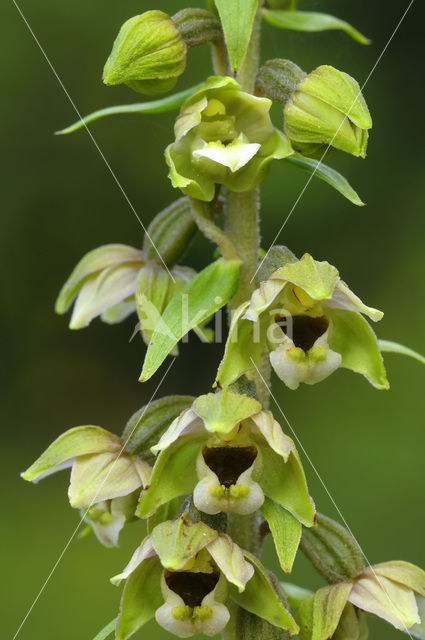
105	478
310	323
394	591
223	136
231	454
183	574
116	280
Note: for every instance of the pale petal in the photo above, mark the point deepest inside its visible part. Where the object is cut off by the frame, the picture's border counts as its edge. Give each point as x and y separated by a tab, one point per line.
234	155
344	298
105	524
102	476
392	602
187	422
263	297
144	551
273	434
230	560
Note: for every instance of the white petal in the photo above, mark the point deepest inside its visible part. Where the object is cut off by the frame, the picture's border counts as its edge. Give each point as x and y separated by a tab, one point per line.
187	422
386	599
144	551
230	560
273	434
234	155
263	297
344	298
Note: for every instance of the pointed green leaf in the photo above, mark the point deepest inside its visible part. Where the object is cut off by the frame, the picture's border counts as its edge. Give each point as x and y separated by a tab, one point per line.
173	475
140	599
261	599
223	410
237	18
394	347
286	532
352	337
78	441
169	103
329	175
106	631
199	299
285	484
311	21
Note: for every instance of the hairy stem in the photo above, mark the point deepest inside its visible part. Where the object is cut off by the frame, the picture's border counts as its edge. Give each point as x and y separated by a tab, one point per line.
211	231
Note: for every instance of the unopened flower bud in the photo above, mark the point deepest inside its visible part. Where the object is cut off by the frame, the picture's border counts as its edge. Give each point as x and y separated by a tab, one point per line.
148	55
198	26
327	108
278	79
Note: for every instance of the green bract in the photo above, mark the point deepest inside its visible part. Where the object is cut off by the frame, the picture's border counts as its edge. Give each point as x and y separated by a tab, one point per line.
394	591
310	323
223	136
105	478
327	108
148	55
230	454
184	572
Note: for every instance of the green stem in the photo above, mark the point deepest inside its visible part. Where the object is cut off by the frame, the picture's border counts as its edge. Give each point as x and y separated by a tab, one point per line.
219	57
211	231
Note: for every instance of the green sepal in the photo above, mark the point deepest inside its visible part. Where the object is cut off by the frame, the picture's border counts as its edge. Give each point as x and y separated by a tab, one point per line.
318	279
92	263
210	290
387	346
146	426
327	174
163	105
353	625
352	337
311	21
170	233
319	615
295	594
405	573
141	597
106	631
78	441
285	530
332	550
223	410
173	475
177	541
261	599
237	19
243	347
286	485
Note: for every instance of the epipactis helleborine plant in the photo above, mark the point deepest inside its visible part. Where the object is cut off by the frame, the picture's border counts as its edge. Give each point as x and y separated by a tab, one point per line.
211	476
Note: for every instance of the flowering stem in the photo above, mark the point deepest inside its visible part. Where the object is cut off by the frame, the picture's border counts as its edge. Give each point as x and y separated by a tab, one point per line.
211	231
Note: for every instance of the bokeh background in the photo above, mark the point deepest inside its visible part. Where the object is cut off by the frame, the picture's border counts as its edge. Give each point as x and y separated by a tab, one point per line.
59	201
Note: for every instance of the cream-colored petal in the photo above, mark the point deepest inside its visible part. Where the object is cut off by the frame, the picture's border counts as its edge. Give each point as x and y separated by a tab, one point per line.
344	298
234	155
187	422
144	551
271	430
392	602
263	297
230	560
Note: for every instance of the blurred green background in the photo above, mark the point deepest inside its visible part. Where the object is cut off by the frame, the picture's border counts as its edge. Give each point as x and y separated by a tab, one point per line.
59	201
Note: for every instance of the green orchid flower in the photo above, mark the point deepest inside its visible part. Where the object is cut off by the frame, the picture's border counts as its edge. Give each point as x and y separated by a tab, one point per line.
183	574
394	591
327	108
223	136
230	454
116	280
309	322
106	480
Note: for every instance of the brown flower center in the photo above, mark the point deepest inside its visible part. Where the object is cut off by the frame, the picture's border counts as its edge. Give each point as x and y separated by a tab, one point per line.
229	462
190	586
303	330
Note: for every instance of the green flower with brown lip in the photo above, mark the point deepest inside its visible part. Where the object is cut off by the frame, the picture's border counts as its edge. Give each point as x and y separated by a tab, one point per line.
309	322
